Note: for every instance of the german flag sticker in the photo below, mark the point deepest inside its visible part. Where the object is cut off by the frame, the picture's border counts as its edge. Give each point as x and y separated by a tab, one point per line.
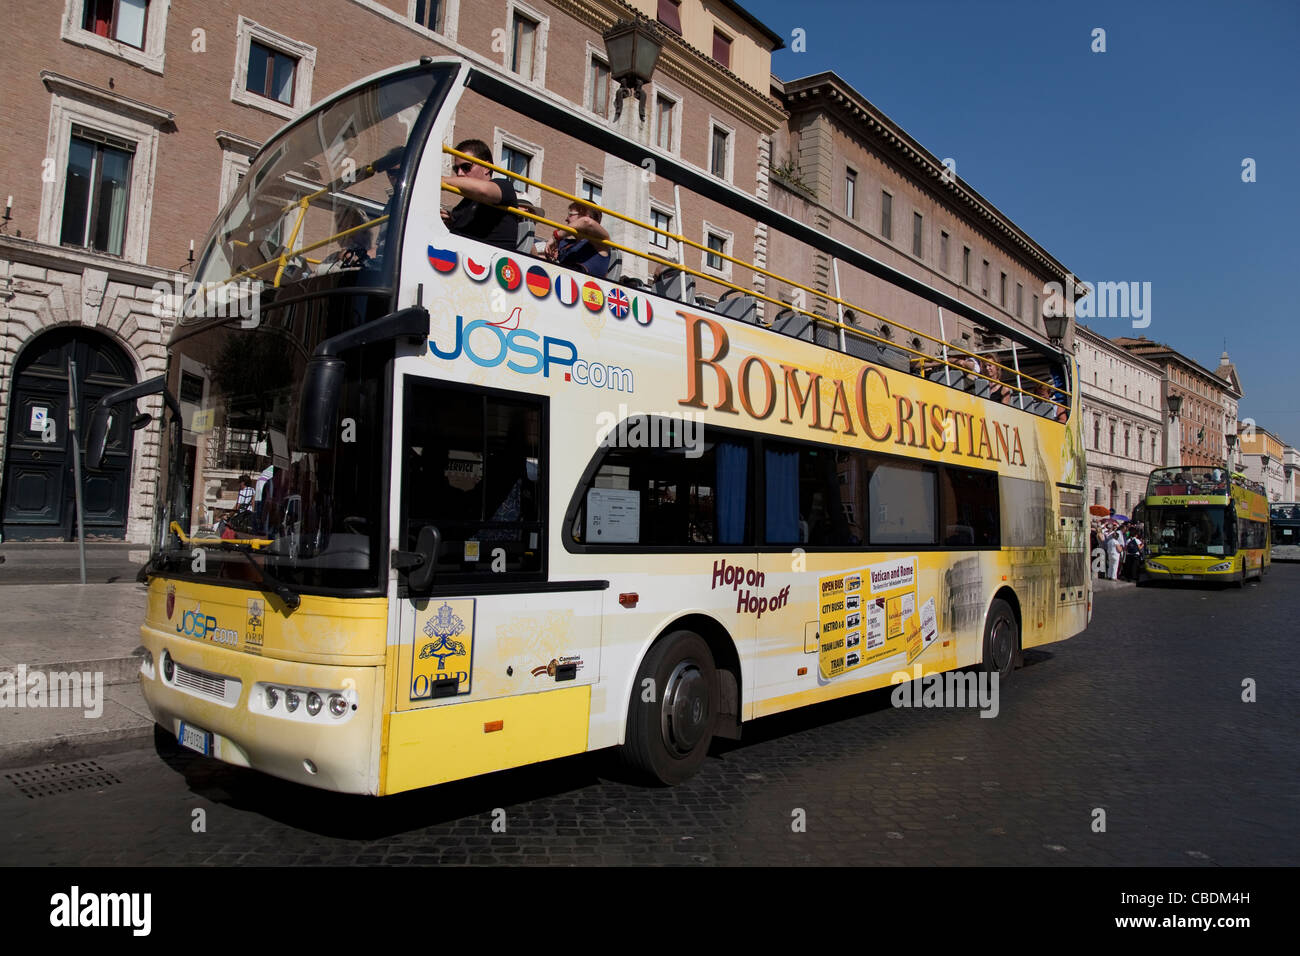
592	297
538	282
508	273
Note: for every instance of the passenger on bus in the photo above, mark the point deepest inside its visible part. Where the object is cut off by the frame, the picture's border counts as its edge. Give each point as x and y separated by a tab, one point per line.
585	252
475	215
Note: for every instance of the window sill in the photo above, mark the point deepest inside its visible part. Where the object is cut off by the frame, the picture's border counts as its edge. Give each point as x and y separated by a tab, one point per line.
264	103
115	48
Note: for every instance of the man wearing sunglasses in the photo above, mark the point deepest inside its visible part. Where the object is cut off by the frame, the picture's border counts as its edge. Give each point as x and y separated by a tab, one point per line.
474	215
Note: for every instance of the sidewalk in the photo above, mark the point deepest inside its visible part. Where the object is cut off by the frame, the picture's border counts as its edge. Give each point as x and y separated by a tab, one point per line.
62	628
56	562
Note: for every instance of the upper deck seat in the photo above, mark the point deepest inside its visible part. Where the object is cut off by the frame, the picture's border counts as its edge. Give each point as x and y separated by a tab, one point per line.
676	284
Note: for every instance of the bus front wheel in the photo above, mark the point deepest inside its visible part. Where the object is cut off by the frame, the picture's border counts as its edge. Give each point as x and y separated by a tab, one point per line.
673	709
1001	640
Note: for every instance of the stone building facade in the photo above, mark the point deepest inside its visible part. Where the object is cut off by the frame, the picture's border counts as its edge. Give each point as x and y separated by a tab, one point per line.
128	128
1208	413
1123	421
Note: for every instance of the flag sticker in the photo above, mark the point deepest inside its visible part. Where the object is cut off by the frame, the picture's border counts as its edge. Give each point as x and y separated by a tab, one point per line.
477	271
566	289
641	310
508	273
538	282
592	297
618	304
444	260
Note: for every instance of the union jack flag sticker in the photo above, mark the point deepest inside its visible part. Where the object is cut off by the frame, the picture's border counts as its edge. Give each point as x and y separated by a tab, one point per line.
618	303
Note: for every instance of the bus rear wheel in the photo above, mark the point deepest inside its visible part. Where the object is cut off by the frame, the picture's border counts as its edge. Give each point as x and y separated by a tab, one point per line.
1001	640
671	715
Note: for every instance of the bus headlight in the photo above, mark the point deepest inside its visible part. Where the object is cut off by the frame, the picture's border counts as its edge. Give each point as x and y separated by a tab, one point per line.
1156	566
338	706
1225	566
291	700
272	698
313	703
168	667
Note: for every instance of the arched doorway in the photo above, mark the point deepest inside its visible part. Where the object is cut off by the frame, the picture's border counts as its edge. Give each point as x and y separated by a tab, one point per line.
1114	497
39	492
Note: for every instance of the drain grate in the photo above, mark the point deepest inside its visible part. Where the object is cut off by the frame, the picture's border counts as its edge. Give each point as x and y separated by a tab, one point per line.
61	778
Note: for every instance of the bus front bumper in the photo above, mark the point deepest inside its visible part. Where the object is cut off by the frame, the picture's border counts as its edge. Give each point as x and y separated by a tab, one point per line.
235	707
1157	572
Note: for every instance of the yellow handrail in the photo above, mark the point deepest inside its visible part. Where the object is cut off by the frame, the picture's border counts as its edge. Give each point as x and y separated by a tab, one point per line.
218	542
747	265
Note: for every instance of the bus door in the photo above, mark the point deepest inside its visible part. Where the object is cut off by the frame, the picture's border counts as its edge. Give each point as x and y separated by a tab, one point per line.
490	624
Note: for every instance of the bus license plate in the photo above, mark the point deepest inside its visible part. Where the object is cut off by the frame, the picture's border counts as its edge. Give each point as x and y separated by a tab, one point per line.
195	739
1189	577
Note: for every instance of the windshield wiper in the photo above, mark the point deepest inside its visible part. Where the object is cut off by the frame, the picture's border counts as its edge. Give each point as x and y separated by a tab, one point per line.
279	588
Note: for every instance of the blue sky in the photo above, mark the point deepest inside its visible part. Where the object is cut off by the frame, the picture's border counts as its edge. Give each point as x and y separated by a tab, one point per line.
1126	165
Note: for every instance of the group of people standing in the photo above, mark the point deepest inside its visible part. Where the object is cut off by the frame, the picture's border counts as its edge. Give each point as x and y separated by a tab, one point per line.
1124	548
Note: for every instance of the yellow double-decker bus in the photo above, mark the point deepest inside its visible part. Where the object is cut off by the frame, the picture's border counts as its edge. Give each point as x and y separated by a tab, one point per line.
1204	524
492	510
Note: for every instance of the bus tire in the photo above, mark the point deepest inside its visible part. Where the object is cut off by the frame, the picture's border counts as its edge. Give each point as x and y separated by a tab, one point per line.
1001	640
673	709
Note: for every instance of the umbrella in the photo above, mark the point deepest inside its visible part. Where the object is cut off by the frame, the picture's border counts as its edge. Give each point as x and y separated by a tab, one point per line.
1100	511
1120	518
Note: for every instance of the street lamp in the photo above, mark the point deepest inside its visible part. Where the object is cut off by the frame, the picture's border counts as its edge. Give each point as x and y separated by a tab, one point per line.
1175	406
633	50
1055	326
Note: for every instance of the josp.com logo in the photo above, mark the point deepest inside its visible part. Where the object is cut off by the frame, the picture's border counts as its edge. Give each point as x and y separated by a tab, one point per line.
518	350
204	627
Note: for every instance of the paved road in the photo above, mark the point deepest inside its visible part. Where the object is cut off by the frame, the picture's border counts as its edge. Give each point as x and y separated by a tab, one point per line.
1141	716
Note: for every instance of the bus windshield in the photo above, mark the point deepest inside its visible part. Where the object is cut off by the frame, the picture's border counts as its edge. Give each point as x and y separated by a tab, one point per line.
1180	530
317	199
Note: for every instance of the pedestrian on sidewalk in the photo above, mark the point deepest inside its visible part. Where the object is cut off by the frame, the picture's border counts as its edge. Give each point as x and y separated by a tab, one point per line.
1113	549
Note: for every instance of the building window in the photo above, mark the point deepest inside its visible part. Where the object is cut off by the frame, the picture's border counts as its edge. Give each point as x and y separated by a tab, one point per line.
96	190
1020	301
660	220
131	30
1033	318
1128	501
720	151
722	48
1002	290
716	244
986	278
943	252
670	15
428	14
272	72
1112	438
120	20
523	38
1096	433
918	226
598	87
965	265
850	193
886	215
1141	435
1126	452
666	123
590	191
516	160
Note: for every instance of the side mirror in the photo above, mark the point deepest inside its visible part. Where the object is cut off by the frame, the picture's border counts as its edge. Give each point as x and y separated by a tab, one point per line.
427	545
322	385
323	381
100	425
140	421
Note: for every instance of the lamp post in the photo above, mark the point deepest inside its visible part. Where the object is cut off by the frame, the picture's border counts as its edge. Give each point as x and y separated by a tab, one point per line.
1173	444
633	49
1231	441
1055	327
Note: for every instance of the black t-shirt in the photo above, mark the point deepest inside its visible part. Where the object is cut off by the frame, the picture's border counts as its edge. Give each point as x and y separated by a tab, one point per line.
479	221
